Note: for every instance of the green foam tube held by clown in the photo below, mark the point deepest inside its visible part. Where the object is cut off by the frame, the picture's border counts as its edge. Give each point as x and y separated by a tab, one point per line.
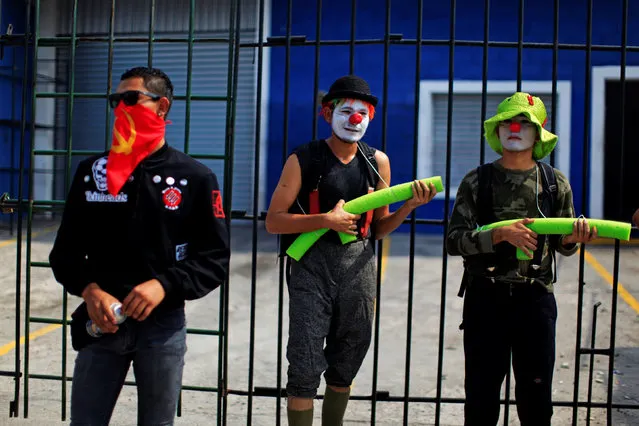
384	197
564	226
360	205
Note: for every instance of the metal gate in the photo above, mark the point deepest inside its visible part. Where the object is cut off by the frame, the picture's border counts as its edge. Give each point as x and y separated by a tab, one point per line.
28	208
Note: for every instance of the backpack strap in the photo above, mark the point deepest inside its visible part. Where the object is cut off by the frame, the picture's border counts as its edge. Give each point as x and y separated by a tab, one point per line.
371	163
484	203
549	184
312	160
485	215
373	179
548	208
316	169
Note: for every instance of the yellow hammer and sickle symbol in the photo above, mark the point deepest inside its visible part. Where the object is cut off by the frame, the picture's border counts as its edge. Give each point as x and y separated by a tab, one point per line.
125	146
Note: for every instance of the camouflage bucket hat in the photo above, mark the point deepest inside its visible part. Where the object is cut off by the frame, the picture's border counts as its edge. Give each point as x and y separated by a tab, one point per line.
533	108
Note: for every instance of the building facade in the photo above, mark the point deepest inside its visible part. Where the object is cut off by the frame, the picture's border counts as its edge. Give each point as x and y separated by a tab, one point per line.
376	40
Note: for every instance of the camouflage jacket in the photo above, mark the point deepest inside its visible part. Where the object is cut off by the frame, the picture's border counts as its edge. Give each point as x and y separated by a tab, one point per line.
513	198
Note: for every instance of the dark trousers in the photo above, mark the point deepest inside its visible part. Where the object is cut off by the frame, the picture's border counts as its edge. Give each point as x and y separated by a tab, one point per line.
331	299
499	318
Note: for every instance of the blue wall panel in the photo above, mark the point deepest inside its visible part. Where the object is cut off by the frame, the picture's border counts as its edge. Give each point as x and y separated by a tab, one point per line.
11	79
399	104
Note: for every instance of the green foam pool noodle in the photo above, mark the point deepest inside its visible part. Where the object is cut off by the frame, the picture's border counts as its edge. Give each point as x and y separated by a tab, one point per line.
384	197
563	226
359	205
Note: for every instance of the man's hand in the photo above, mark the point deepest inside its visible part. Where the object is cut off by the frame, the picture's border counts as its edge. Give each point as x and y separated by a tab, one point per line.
141	301
581	233
635	218
422	194
99	307
341	221
519	235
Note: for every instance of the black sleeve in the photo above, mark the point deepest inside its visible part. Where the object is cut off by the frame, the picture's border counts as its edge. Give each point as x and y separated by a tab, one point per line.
206	265
68	257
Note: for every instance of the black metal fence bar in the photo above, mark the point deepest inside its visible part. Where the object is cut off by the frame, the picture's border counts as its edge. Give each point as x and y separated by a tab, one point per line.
14	405
380	243
555	75
255	217
582	252
449	151
413	225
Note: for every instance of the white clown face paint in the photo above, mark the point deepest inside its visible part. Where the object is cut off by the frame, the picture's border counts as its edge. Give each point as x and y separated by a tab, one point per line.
517	134
350	120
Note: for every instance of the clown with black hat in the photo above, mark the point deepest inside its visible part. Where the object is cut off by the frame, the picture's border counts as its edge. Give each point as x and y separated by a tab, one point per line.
509	306
332	288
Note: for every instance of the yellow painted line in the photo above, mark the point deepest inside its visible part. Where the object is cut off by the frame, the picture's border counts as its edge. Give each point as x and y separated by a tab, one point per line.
385	254
46	230
607	276
7	242
44	330
611	242
32	336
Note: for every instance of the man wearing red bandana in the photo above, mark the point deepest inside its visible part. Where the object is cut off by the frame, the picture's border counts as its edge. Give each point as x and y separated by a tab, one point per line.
332	288
144	228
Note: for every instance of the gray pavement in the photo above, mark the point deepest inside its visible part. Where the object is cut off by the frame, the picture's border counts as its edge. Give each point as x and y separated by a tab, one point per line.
200	408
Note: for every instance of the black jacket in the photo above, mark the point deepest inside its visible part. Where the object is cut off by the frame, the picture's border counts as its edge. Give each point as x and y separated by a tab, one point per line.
166	223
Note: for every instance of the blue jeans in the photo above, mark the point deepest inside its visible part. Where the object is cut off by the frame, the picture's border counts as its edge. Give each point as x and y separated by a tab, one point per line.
156	347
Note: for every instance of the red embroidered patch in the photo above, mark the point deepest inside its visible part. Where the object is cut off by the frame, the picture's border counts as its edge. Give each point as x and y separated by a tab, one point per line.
218	210
172	198
531	101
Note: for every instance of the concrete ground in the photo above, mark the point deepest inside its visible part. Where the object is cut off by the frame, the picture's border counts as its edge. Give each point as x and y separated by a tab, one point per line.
45	401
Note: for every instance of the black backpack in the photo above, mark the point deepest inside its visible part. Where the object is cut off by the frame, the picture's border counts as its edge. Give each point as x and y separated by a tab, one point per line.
312	158
486	215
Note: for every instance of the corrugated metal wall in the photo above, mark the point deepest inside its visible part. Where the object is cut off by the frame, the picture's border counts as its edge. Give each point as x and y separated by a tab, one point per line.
172	16
209	77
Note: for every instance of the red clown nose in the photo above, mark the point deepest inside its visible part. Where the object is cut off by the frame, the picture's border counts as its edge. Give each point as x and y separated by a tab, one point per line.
356	118
515	127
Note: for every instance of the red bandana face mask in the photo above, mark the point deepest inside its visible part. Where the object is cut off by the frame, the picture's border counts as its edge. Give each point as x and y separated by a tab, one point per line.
136	132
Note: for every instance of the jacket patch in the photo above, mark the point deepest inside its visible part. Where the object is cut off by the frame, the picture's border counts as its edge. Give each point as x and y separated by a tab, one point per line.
216	200
172	197
99	172
100	197
181	252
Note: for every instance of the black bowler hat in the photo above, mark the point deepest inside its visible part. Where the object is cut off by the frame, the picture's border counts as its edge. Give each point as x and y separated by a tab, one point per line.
352	87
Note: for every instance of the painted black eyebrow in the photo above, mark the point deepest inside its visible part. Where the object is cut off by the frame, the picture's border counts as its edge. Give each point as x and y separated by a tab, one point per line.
353	109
